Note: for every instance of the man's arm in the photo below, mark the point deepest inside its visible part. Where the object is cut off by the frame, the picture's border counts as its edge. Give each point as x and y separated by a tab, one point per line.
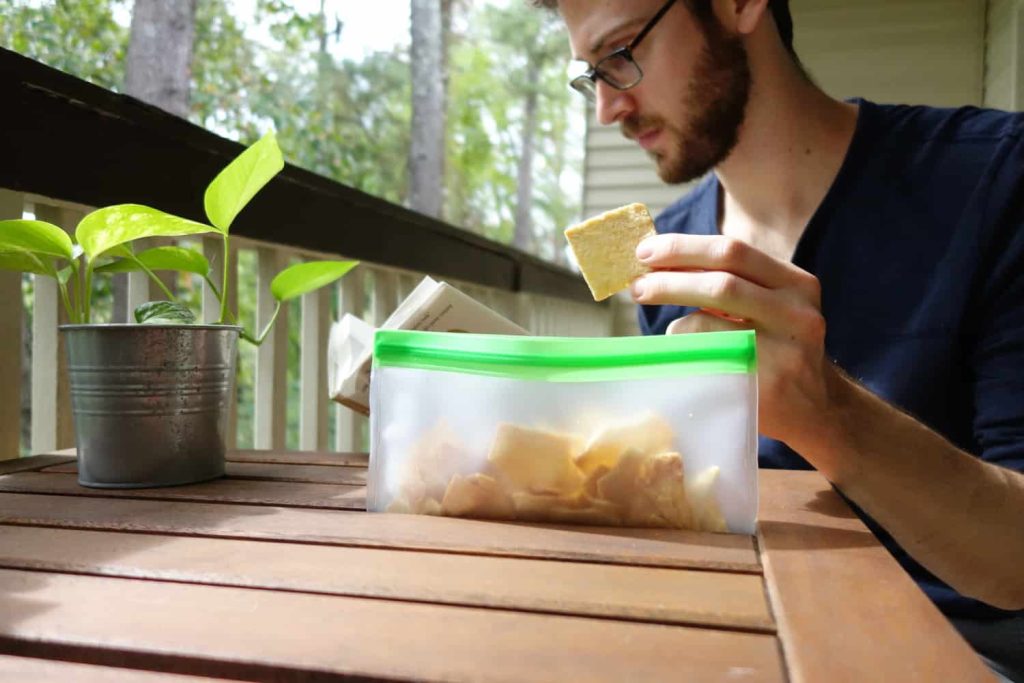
960	517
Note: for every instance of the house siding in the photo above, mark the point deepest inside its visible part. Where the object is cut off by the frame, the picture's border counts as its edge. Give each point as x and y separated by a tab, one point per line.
1002	55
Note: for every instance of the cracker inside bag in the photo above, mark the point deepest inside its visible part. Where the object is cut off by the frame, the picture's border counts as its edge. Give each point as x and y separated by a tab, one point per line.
625	474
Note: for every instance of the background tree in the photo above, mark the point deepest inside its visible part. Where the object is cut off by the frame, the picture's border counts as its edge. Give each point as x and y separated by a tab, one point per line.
159	60
426	150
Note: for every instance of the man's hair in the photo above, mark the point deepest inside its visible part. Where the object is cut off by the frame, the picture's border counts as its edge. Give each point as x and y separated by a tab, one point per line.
779	8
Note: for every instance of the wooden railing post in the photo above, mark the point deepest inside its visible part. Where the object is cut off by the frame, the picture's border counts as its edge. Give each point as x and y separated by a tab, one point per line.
384	295
12	205
350	426
271	395
52	422
316	313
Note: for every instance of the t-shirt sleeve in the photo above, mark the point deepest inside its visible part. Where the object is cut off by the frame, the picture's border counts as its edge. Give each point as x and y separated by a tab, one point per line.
997	347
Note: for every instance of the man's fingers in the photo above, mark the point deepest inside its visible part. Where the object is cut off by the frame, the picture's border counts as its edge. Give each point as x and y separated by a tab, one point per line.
719	253
723	292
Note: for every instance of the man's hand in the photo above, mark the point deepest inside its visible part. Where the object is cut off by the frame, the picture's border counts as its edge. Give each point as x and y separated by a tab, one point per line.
740	287
954	513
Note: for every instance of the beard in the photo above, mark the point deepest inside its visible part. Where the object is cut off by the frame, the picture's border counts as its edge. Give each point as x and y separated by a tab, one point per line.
716	100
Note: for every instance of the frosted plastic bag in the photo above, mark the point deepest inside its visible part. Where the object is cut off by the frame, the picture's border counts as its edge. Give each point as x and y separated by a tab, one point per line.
636	431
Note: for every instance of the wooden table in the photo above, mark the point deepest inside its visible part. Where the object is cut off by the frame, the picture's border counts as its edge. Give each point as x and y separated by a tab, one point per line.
276	573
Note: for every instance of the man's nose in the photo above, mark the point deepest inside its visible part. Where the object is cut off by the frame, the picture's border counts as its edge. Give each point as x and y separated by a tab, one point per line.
611	104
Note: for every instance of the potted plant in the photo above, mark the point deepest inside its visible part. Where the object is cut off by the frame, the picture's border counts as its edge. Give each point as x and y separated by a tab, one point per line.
151	399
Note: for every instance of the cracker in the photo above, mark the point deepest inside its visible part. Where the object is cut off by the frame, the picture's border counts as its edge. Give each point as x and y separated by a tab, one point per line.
605	248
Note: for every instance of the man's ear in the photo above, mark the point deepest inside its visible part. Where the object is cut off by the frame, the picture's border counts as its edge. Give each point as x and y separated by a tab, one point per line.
742	16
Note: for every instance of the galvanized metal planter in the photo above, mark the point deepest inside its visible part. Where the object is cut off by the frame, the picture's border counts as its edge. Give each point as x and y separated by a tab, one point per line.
151	403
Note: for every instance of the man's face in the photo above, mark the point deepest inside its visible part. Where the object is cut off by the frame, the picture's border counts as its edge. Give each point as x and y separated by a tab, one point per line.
687	110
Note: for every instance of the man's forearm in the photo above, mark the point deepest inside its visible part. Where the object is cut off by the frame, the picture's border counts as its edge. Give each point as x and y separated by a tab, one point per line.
961	518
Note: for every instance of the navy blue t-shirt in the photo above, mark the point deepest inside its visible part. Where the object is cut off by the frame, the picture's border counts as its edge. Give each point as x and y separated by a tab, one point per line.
919	248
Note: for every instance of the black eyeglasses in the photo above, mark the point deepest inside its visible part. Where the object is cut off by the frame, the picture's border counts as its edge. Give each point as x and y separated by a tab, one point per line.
617	69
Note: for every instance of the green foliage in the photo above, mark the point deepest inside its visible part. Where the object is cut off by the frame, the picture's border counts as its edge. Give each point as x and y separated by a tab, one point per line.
302	278
178	259
80	37
106	228
24	262
240	180
40	247
164	313
515	51
36	236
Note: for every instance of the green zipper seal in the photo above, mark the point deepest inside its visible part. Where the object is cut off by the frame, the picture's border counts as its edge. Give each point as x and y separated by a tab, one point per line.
569	359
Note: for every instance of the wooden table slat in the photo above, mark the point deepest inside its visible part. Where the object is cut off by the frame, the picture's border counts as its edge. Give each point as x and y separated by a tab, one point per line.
309	474
269	456
248	491
704	598
236	631
845	610
33	462
300	458
31	670
644	547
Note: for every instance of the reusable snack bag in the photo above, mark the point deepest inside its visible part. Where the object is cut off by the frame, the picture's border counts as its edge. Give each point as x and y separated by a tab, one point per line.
633	431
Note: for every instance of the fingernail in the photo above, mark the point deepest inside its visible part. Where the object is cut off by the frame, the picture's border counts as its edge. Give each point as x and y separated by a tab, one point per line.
637	288
644	252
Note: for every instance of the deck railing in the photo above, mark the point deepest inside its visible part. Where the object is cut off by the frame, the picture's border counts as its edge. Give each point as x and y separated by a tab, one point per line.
69	145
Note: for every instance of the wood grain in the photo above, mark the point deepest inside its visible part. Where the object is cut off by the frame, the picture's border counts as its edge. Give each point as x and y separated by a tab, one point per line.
845	610
678	596
328	496
281	457
29	670
644	547
228	632
300	457
32	462
309	474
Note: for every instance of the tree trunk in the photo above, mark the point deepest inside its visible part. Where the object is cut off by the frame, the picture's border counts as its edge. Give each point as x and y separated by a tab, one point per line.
426	149
158	69
159	61
523	235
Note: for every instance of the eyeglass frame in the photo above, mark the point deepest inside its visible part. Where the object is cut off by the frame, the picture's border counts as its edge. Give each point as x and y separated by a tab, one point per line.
626	52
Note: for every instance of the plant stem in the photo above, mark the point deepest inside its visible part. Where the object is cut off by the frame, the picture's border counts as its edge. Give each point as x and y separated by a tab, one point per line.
76	279
269	325
224	285
209	283
87	294
159	283
72	313
231	316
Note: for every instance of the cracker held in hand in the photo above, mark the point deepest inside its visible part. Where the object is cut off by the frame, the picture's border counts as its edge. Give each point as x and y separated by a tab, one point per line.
605	248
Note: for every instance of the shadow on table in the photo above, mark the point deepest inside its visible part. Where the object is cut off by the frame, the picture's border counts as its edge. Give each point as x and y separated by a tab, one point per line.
831	504
799	536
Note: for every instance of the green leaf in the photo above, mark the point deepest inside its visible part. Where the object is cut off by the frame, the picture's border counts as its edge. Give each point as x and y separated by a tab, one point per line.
113	226
164	313
302	278
64	274
26	262
240	180
162	258
35	236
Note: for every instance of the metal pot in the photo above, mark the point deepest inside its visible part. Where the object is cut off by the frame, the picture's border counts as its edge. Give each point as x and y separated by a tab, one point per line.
151	403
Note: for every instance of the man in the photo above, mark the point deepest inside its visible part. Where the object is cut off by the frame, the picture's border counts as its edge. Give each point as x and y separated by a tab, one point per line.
878	252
